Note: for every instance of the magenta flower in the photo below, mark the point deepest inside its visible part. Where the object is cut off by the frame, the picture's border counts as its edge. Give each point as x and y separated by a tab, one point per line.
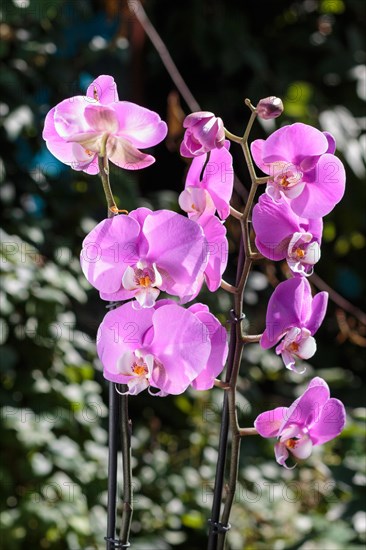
204	132
302	167
165	347
80	128
313	419
281	234
144	253
217	179
293	317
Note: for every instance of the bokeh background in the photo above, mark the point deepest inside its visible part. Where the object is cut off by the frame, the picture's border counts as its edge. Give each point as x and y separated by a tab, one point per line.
54	414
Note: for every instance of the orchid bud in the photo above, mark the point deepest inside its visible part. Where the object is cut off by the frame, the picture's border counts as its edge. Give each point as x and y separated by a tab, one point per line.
270	107
204	132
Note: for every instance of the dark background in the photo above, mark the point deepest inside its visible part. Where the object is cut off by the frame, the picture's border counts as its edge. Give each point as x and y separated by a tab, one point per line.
54	416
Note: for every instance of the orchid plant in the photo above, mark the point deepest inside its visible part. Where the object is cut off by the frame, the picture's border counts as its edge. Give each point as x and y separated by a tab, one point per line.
149	342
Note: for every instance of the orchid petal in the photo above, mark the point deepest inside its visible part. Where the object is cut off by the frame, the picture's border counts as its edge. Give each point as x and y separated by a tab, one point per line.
268	423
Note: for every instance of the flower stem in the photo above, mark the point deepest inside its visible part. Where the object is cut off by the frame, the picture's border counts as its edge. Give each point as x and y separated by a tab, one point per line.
118	411
127	509
229	421
112	464
104	176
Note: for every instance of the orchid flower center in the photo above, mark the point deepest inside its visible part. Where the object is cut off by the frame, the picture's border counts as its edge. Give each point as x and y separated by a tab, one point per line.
291	443
136	366
286	179
302	253
145	280
140	368
294	347
299	253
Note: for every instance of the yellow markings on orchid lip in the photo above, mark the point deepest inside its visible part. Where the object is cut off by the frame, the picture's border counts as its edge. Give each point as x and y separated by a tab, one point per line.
299	252
293	347
95	94
291	443
284	182
89	152
193	206
140	370
144	281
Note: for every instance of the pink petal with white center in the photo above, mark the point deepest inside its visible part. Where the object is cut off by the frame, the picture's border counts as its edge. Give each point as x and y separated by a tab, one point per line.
140	126
101	118
103	89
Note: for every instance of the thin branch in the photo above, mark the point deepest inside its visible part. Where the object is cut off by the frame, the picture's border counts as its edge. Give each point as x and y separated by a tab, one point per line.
251	338
220	384
138	11
228	287
235	213
247	431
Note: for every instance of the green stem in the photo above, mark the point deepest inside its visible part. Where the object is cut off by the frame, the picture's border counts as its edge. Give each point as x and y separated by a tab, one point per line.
104	176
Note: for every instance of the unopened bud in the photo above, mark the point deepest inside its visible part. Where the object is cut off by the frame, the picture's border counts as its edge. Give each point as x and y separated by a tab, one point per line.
270	107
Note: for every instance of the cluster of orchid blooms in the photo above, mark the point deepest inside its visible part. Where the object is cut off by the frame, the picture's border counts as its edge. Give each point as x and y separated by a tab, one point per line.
157	344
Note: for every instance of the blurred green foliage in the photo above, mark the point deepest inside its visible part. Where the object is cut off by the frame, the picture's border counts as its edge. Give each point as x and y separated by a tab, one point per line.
54	416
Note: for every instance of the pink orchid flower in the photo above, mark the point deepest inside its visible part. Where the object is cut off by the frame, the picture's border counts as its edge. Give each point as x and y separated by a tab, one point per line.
139	255
281	234
164	348
204	132
302	167
80	128
313	419
217	180
293	317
